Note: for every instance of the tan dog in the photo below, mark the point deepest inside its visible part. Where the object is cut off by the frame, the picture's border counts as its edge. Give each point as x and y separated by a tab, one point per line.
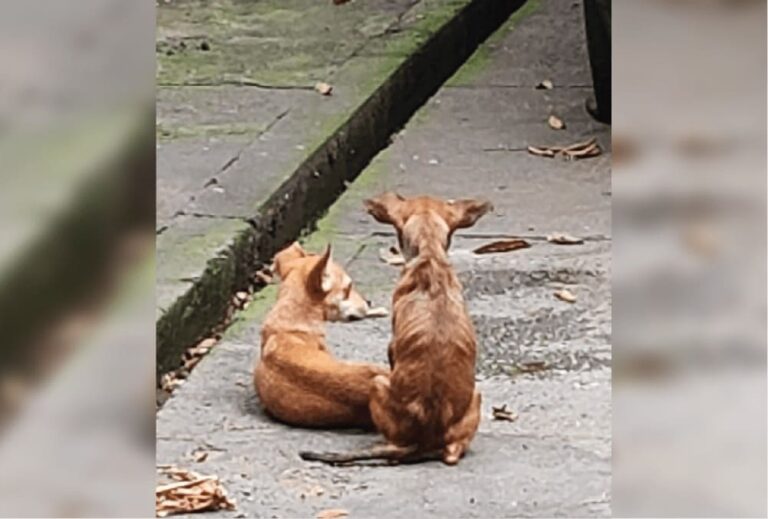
428	406
298	381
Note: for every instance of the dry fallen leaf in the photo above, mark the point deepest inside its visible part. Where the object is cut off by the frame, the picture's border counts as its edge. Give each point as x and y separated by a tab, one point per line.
189	492
502	246
502	413
391	256
324	88
579	150
265	275
701	239
565	295
200	456
562	238
545	85
542	152
332	513
531	366
555	122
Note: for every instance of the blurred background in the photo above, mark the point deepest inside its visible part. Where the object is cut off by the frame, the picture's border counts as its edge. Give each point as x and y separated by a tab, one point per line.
689	217
77	201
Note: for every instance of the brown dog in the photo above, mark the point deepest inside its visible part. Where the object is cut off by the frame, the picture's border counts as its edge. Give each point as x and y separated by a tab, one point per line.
298	381
428	406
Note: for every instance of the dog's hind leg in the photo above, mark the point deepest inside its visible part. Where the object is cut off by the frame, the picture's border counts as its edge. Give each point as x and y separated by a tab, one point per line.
460	434
382	412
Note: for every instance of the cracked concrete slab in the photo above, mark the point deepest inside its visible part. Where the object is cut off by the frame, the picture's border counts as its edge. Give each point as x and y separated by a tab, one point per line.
259	145
555	458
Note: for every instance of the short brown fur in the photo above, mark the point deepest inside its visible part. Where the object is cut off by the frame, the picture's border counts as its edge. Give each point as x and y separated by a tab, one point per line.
298	380
429	403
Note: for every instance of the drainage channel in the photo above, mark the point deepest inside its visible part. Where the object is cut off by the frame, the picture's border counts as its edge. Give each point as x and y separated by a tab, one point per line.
199	316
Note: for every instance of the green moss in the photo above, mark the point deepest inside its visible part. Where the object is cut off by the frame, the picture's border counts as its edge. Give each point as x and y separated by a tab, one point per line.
262	302
481	59
185	250
173	132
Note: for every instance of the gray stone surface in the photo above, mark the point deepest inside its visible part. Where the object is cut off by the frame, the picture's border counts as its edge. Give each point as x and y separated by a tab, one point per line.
555	459
244	138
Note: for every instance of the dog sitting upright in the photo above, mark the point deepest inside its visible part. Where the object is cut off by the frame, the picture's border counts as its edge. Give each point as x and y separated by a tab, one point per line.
428	406
298	381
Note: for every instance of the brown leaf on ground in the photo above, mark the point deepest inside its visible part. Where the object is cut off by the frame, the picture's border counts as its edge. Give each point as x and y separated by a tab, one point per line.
265	275
323	88
561	238
565	295
332	513
532	366
555	122
189	492
502	246
545	85
502	413
542	152
200	456
392	257
579	150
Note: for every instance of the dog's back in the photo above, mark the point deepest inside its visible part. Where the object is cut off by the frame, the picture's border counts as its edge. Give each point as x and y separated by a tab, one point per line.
434	374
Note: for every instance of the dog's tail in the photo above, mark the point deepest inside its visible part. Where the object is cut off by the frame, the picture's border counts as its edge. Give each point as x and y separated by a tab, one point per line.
383	452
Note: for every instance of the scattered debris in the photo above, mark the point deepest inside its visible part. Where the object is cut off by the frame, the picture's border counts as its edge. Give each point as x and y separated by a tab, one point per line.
199	455
502	413
565	295
556	123
340	2
392	256
561	238
313	491
189	492
580	150
545	85
532	366
265	275
323	88
502	246
332	513
433	162
379	311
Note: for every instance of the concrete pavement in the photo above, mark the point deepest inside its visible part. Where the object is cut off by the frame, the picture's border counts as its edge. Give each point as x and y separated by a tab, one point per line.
249	152
555	459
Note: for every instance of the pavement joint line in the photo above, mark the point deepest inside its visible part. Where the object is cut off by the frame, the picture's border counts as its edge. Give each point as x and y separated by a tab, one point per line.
300	199
237	83
512	86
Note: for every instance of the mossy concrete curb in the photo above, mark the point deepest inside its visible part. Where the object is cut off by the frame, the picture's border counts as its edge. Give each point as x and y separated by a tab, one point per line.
74	200
324	174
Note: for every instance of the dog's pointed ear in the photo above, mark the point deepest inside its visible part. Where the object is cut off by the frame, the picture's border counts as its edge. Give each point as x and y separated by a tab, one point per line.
385	208
466	212
281	264
320	279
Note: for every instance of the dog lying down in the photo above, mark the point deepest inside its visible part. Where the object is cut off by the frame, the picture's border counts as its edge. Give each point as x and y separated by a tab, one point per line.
428	407
297	379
